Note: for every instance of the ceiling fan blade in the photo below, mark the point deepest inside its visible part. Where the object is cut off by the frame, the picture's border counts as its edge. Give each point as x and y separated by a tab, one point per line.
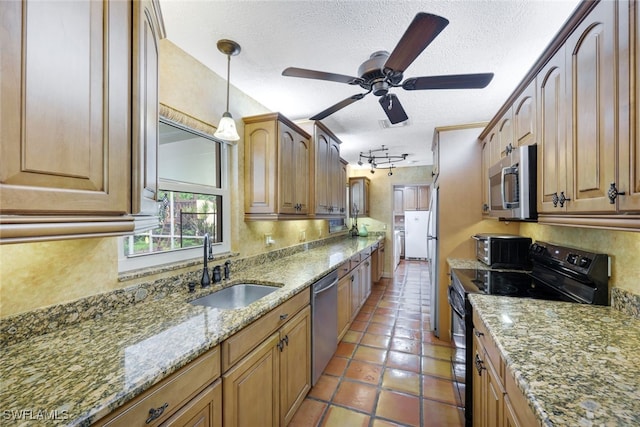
453	81
319	75
392	108
424	28
339	106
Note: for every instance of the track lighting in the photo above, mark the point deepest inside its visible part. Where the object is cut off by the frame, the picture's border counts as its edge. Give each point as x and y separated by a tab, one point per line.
376	161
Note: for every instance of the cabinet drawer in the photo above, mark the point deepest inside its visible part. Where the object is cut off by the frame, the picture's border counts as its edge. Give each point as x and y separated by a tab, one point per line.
170	394
237	346
355	260
344	269
490	346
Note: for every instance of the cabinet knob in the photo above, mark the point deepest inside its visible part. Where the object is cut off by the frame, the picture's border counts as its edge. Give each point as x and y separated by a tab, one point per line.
155	413
555	200
478	333
613	193
563	199
284	316
479	364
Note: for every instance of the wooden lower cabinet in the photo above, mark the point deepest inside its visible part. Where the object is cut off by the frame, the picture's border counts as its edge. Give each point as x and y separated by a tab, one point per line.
204	410
497	402
344	305
268	385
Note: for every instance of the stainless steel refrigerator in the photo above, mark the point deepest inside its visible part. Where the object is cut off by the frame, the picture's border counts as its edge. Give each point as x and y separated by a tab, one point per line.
433	257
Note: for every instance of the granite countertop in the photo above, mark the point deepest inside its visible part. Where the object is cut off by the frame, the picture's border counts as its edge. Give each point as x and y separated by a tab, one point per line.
86	370
577	365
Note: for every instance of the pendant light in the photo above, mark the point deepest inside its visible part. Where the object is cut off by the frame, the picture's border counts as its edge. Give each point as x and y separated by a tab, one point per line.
227	128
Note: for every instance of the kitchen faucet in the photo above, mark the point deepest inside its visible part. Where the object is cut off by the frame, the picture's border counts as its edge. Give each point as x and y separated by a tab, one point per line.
206	281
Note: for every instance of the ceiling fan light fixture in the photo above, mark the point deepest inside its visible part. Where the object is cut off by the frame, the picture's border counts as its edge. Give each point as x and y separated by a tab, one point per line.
227	127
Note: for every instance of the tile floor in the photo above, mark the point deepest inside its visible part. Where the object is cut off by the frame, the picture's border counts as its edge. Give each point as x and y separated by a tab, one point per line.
389	369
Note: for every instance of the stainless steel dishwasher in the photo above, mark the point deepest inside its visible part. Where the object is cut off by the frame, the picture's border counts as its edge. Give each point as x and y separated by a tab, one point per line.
324	323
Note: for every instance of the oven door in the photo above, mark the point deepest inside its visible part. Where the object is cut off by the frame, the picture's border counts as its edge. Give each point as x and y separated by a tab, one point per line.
459	355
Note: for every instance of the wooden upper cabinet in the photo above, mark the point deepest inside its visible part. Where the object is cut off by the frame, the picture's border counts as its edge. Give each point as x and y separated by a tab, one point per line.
277	168
410	198
505	134
552	178
629	95
148	29
485	178
414	198
524	116
590	51
359	200
65	107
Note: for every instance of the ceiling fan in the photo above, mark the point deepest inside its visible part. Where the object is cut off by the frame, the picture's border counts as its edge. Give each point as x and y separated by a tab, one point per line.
384	70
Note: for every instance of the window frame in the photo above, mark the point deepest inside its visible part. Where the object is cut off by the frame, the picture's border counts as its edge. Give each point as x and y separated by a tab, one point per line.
159	259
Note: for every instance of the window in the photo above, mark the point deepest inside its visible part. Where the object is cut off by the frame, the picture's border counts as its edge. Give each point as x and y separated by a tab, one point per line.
193	200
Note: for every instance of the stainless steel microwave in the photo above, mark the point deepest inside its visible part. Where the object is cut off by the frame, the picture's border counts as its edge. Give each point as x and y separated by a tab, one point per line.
512	185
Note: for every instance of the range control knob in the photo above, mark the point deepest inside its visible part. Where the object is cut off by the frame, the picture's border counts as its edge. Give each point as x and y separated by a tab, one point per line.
572	259
585	262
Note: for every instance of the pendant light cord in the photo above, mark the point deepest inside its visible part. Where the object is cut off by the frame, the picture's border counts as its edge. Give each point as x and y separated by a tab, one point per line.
228	75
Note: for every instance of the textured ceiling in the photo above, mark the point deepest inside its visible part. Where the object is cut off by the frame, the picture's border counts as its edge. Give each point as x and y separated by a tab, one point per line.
500	36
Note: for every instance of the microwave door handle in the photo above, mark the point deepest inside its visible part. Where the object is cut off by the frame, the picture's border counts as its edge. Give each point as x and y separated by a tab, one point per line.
511	170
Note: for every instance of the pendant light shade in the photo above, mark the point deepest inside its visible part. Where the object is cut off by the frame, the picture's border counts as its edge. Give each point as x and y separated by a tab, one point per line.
227	127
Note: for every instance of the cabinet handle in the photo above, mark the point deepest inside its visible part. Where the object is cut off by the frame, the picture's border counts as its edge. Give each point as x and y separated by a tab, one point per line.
155	413
280	345
286	340
479	365
613	193
352	278
478	333
284	316
555	200
563	199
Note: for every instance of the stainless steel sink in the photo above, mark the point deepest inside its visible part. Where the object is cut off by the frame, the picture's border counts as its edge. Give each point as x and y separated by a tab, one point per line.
236	296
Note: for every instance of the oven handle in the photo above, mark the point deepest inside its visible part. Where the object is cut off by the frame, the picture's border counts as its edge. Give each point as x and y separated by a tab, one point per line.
451	297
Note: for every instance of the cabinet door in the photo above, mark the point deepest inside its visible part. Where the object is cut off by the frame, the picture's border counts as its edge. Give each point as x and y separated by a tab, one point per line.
355	292
524	116
359	190
342	188
344	305
204	410
322	189
494	398
505	134
295	364
629	153
552	164
302	172
251	390
148	29
423	198
380	271
398	199
494	147
410	198
287	146
591	159
485	178
65	107
335	183
479	385
260	167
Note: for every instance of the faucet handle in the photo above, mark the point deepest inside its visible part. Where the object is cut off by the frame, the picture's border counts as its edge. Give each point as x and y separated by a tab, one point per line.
216	274
227	270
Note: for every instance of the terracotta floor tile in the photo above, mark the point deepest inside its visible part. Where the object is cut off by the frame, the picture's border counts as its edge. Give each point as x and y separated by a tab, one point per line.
436	367
403	381
405	345
373	340
336	366
384	423
356	395
345	349
324	388
388	304
439	389
399	407
366	309
412	334
357	325
341	417
384	312
380	329
383	319
363	371
437	351
436	414
309	414
408	324
431	338
364	317
370	354
352	336
405	361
